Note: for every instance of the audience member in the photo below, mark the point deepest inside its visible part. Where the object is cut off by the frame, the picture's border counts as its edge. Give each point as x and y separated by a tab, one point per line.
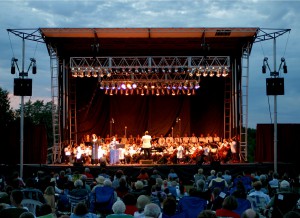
81	210
152	211
27	215
142	200
119	210
207	214
16	208
249	213
229	204
49	195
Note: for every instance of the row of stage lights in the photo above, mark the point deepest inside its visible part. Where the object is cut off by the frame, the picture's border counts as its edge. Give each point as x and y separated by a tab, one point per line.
106	72
154	88
156	92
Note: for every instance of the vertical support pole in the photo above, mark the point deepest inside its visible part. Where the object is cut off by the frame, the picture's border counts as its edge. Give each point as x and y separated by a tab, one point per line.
275	112
22	114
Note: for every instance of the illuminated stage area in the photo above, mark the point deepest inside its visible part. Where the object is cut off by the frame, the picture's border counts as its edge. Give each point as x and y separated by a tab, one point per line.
125	81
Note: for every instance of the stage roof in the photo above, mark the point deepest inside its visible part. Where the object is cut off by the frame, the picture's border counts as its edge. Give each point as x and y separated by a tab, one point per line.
78	42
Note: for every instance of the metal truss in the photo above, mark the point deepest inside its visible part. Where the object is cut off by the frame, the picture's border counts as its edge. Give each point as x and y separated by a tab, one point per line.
146	63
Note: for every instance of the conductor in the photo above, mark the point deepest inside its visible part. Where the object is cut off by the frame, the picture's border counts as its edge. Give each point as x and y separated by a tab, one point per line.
146	145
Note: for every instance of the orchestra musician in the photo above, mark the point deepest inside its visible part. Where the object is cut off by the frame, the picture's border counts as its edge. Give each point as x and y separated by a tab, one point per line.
68	153
208	138
201	139
131	140
146	146
177	140
169	139
185	139
216	138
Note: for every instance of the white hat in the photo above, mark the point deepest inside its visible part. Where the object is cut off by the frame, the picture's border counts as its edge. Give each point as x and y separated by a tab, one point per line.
284	184
100	179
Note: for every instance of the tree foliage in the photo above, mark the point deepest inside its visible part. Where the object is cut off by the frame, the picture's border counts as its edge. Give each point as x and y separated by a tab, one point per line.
6	112
251	144
39	113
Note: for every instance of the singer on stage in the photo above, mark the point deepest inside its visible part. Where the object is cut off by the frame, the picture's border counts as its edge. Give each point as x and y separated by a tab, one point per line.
146	145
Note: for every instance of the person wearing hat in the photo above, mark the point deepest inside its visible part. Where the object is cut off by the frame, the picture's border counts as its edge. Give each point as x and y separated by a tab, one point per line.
100	183
146	145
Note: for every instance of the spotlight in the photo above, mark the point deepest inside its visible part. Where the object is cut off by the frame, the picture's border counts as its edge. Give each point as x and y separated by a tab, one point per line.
173	92
123	86
188	92
74	73
198	73
157	92
134	86
108	73
142	92
129	86
211	73
197	86
225	72
126	93
95	74
111	92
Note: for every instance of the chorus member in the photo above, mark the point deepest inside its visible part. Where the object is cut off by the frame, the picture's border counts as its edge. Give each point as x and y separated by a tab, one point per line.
201	139
185	139
233	149
68	151
208	138
124	140
216	138
161	141
146	140
177	140
169	139
193	139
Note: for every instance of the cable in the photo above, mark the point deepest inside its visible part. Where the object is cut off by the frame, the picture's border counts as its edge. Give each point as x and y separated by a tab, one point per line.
262	49
270	110
11	45
286	43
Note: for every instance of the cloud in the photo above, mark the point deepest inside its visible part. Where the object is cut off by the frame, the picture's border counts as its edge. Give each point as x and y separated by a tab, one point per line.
165	13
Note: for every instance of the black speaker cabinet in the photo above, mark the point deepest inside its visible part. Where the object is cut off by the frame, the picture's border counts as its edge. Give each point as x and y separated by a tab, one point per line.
275	86
22	87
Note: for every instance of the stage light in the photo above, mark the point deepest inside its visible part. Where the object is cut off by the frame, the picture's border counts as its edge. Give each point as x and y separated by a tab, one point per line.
134	86
188	92
198	73
128	85
101	73
225	72
106	92
80	73
152	86
162	92
126	93
173	92
113	86
174	86
87	73
180	86
94	74
108	73
145	86
197	86
123	86
185	85
284	65
101	85
111	92
142	92
157	92
74	73
218	74
116	91
211	73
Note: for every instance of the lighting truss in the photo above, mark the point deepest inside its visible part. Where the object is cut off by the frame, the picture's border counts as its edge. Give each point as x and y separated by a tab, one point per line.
149	75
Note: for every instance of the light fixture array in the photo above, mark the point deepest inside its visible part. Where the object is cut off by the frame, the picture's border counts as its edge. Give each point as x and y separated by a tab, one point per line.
150	75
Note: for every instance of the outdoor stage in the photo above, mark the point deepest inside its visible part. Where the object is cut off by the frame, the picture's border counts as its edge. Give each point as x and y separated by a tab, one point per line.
185	171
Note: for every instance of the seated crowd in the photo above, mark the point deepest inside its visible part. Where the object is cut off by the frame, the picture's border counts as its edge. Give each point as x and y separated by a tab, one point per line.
149	194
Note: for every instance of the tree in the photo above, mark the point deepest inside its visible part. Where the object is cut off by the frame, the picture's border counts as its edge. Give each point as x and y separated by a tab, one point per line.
6	112
39	113
251	144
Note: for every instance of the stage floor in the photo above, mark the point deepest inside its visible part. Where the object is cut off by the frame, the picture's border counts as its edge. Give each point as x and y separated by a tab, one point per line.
185	171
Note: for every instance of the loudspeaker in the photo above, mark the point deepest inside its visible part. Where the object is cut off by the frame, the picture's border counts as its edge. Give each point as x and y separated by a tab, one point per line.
22	87
275	86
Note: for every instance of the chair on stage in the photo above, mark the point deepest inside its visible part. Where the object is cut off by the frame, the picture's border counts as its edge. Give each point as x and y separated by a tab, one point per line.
32	205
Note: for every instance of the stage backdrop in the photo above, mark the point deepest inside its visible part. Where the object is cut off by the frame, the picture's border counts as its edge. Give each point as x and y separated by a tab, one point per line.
200	113
288	145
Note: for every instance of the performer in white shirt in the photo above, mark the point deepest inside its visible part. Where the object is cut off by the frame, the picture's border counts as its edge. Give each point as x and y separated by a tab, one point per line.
161	141
193	139
146	145
180	153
